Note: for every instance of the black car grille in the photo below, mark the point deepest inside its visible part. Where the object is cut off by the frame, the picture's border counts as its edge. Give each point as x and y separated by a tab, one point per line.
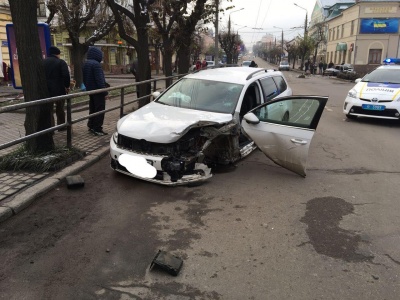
379	101
188	143
381	113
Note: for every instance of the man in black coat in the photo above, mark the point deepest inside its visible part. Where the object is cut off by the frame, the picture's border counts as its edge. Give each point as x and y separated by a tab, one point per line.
58	80
93	78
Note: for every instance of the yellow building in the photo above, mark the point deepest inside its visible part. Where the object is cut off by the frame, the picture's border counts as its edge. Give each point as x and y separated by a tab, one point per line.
5	18
365	34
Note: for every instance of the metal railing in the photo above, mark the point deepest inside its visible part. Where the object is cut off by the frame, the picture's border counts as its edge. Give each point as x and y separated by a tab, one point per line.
69	122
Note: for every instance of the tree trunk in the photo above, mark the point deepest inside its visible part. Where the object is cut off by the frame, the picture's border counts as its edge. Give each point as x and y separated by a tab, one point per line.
78	53
184	60
144	69
167	59
33	76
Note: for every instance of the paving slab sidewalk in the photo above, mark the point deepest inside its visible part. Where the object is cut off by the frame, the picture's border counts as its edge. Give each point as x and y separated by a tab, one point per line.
19	189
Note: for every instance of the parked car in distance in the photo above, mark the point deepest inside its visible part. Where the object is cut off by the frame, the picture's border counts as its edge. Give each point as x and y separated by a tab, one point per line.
345	68
331	72
376	95
210	63
246	63
284	66
215	117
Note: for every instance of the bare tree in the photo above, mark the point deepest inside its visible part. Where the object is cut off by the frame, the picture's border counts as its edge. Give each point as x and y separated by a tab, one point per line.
165	18
319	36
32	72
184	34
88	17
138	15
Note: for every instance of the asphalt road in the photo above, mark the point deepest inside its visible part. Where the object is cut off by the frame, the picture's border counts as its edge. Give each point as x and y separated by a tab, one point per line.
255	231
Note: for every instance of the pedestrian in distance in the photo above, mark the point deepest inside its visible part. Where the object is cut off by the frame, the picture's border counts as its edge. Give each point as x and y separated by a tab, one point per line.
253	64
321	67
204	64
58	81
93	78
331	65
306	65
324	68
198	65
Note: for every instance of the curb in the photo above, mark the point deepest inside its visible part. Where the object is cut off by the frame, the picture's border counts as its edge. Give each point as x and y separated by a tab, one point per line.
26	197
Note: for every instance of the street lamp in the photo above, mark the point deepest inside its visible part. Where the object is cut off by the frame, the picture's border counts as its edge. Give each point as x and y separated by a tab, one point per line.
305	23
229	21
305	32
216	59
229	27
282	54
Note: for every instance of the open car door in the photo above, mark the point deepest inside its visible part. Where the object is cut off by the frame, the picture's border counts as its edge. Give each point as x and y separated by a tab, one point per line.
283	129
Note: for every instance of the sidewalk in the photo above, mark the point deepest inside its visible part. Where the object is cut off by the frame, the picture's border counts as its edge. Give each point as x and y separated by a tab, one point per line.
19	189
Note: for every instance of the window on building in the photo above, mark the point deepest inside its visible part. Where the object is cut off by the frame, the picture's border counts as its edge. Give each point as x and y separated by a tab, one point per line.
335	61
330	35
41	8
337	33
342	30
375	56
333	34
352	28
348	57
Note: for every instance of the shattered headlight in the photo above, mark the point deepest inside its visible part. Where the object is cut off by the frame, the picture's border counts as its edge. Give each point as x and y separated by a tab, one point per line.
352	93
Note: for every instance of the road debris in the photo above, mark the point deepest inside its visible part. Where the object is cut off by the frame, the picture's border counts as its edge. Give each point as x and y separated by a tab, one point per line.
75	182
167	262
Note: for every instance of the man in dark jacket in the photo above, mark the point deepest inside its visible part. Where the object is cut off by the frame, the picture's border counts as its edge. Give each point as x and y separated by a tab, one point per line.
58	80
93	78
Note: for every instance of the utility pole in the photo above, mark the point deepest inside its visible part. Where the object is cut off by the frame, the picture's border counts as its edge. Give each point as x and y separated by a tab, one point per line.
305	32
216	58
229	33
282	53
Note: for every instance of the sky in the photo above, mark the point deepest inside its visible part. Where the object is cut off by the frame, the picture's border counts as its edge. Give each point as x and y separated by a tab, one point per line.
266	14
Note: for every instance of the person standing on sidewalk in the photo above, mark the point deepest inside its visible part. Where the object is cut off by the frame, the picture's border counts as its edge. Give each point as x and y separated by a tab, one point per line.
93	79
58	81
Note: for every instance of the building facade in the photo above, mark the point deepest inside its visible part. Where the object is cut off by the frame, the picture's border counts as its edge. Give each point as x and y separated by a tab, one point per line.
364	34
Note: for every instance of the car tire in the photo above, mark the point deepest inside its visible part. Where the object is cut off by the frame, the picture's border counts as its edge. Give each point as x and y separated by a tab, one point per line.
351	117
285	117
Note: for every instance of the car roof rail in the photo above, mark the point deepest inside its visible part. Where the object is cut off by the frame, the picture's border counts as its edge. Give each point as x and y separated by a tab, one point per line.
251	75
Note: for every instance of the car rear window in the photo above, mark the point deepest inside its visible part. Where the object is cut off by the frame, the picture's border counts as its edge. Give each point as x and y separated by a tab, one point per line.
281	84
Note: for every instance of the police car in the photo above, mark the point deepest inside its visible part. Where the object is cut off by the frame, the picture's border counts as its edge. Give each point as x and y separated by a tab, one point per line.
377	94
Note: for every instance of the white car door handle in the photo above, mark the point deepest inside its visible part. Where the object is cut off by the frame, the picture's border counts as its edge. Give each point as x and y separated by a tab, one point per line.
297	141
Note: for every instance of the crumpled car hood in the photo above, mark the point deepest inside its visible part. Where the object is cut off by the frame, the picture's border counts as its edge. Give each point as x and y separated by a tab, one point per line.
160	123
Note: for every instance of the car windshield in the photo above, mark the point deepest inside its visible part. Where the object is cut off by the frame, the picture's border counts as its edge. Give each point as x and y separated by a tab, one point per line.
246	63
383	76
284	63
206	95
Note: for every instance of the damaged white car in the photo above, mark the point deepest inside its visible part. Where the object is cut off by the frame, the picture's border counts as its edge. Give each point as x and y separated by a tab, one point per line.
215	116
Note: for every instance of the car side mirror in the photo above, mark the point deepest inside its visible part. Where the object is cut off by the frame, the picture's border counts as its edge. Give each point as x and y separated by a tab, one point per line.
251	118
357	80
155	95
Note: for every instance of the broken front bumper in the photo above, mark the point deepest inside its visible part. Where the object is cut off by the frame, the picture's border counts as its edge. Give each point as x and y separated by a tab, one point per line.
200	172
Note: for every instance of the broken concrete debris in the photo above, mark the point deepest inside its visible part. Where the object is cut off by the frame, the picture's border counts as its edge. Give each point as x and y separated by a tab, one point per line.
75	182
167	262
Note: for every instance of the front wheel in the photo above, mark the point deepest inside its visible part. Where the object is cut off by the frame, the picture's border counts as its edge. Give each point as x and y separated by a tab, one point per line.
351	117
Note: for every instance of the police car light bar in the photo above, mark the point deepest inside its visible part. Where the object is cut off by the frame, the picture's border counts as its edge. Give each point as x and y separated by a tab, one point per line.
392	61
